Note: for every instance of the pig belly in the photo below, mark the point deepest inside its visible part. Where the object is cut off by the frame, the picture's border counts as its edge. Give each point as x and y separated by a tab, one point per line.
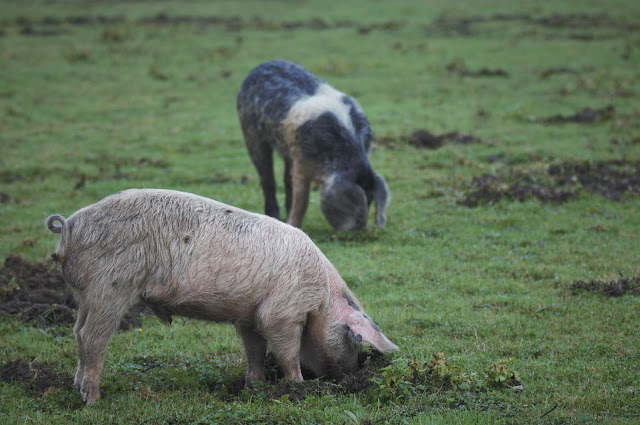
203	302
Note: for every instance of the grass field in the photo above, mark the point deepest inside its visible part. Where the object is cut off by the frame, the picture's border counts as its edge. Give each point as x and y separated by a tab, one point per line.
508	133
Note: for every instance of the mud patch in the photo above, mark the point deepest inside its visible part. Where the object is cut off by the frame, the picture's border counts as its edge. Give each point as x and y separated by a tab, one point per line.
49	26
108	168
516	186
559	70
37	293
586	115
576	26
612	179
424	139
276	387
37	377
612	288
460	68
5	198
557	183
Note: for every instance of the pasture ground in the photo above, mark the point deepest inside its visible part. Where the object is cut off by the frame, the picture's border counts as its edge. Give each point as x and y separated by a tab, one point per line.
508	272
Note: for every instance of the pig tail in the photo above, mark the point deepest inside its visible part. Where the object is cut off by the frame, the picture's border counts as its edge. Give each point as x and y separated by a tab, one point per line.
51	220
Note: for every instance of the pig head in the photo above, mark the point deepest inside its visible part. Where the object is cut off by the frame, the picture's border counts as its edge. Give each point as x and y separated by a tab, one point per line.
183	254
331	343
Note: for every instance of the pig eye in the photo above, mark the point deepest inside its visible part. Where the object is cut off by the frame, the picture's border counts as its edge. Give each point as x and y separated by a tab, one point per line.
355	338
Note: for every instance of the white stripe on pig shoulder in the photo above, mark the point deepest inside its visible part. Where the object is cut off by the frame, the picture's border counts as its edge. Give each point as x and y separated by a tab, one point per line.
325	99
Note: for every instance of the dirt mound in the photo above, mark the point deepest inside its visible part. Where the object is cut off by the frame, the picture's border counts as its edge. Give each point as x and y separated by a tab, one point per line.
557	183
37	293
30	276
584	116
37	377
490	189
424	139
612	288
611	179
459	67
50	26
576	26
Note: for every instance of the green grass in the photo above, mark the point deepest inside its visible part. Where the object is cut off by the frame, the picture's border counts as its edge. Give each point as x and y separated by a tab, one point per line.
100	107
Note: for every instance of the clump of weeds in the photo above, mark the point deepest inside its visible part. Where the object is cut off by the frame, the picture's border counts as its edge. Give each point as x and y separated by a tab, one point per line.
399	380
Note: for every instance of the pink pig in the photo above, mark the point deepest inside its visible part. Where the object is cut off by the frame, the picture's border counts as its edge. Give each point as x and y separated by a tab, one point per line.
182	254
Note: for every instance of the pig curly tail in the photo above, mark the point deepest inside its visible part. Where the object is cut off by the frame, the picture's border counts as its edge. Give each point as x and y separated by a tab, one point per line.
51	220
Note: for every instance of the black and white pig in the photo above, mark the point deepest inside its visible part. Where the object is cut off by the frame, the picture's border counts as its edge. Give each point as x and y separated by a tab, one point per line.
322	135
183	254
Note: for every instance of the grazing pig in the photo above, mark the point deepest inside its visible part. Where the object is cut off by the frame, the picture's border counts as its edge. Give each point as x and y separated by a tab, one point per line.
322	135
182	254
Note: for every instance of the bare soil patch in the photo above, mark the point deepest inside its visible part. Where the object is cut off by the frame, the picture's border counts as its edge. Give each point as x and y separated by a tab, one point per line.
109	167
577	26
35	376
360	381
557	183
460	68
50	26
490	189
586	115
610	288
37	293
559	70
424	139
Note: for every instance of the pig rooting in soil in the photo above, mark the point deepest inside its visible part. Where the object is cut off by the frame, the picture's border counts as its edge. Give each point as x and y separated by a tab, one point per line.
182	254
321	134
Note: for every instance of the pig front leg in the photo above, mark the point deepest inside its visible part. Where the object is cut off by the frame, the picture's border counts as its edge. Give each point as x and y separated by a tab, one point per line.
285	338
288	187
255	349
301	186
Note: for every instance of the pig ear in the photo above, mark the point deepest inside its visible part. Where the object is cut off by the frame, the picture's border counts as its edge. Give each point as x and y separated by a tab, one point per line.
365	330
381	199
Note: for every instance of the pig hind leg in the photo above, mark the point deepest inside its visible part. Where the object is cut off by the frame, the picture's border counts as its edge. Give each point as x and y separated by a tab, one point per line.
261	154
81	318
255	348
101	319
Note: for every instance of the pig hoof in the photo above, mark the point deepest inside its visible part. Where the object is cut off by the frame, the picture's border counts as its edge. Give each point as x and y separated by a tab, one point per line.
250	382
90	395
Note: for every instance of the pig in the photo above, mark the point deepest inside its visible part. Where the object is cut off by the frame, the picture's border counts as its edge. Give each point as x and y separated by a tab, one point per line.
322	135
183	254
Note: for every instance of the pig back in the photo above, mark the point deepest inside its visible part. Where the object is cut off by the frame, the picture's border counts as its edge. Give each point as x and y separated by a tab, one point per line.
193	256
213	261
244	264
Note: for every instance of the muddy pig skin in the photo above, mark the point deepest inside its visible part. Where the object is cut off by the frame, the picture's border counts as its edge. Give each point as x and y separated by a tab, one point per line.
186	255
322	135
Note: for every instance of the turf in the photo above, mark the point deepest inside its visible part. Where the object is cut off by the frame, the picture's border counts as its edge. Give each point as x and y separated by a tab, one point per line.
507	131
